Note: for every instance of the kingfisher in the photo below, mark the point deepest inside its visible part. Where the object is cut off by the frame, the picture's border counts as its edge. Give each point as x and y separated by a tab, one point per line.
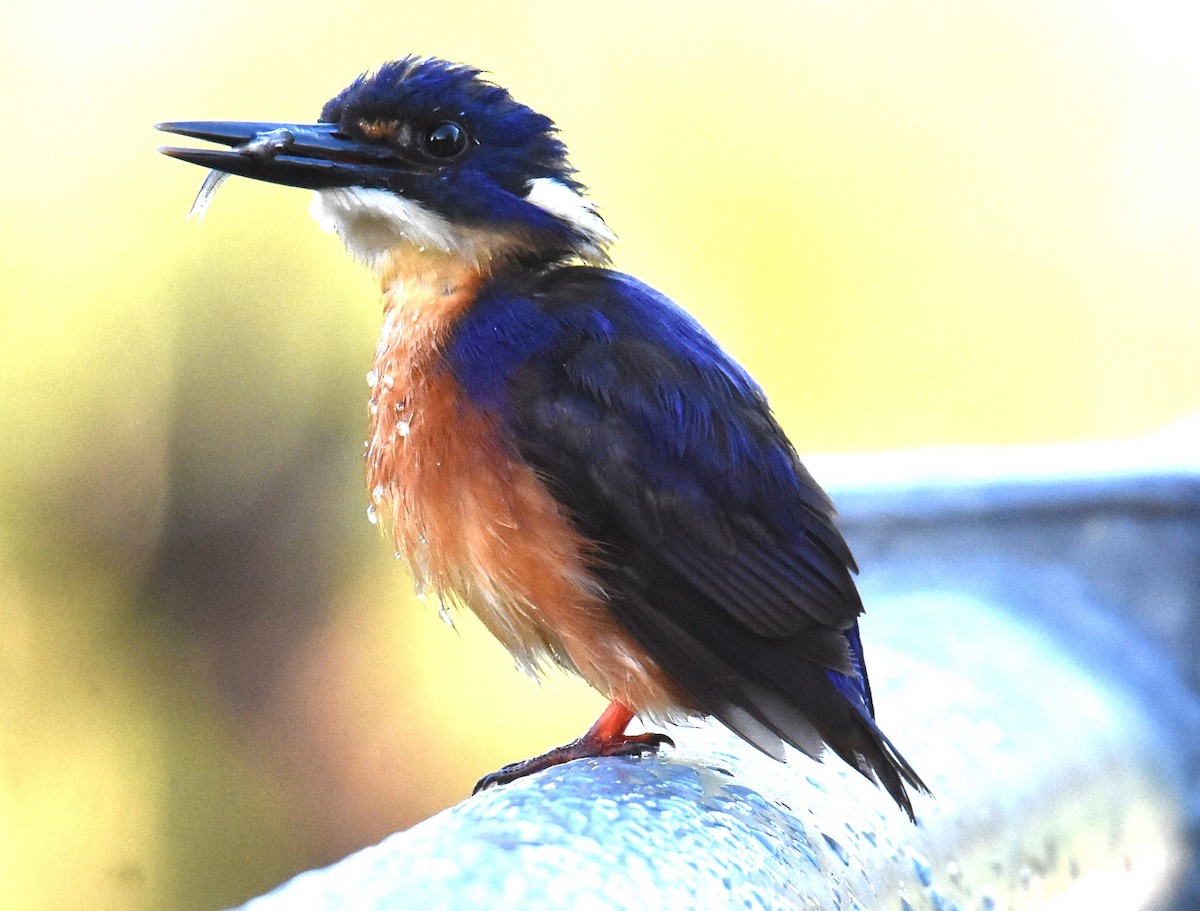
560	447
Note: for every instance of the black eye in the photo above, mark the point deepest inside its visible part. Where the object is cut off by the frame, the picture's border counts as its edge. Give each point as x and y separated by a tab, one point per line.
445	140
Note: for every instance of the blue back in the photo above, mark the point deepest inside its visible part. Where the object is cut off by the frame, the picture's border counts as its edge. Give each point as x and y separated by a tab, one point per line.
663	449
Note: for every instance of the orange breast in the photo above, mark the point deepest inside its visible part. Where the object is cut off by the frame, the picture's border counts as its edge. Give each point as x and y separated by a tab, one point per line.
473	521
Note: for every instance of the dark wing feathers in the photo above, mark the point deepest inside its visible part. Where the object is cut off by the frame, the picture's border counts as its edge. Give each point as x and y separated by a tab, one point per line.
718	550
680	448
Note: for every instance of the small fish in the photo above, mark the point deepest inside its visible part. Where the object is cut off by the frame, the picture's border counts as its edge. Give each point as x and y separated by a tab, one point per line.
263	147
212	181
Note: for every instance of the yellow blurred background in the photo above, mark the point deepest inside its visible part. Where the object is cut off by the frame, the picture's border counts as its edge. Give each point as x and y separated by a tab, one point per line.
916	223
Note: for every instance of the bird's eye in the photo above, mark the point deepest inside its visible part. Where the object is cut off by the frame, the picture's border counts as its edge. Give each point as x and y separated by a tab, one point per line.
445	141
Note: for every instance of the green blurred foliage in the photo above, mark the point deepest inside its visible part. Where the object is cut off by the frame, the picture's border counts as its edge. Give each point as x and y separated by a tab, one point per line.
916	223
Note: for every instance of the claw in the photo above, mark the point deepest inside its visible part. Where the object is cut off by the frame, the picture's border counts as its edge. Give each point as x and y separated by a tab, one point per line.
606	737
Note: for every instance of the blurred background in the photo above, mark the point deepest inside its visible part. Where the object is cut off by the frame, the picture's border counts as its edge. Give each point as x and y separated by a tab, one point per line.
916	223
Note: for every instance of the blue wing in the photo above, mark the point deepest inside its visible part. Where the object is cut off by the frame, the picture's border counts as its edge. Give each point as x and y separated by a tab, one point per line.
717	548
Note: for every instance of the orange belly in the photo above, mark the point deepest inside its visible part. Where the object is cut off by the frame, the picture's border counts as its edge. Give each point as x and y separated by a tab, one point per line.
474	522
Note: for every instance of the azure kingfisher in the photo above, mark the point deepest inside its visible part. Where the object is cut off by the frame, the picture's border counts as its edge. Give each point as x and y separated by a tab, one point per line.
560	447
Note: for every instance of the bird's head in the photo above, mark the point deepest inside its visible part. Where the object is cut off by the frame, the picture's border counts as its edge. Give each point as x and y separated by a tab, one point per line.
421	155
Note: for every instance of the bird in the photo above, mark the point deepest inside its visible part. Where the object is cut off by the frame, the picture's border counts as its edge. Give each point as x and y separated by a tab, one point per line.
560	447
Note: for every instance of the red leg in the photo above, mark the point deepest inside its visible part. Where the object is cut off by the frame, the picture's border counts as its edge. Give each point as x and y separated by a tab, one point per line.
606	737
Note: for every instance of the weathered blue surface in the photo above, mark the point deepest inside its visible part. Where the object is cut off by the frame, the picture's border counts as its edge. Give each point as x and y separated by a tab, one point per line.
1046	781
1021	658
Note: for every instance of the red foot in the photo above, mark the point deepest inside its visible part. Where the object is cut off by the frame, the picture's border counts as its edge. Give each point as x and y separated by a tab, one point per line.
606	737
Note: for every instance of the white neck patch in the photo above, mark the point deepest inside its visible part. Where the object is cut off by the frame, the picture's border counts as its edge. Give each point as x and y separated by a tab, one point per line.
566	205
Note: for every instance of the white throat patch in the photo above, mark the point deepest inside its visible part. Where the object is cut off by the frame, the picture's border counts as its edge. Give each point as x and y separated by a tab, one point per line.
374	222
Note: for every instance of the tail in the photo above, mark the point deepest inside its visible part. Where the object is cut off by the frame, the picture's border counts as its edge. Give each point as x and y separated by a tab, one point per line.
824	708
865	747
860	742
768	692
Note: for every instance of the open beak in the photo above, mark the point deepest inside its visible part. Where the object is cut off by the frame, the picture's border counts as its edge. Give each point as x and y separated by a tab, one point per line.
313	156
